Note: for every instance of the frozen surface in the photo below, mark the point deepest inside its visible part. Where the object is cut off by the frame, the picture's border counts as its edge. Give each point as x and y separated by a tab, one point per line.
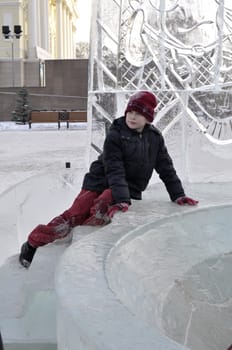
107	295
182	264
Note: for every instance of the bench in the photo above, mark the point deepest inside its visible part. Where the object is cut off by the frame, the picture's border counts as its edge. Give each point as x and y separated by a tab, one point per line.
77	117
44	117
57	117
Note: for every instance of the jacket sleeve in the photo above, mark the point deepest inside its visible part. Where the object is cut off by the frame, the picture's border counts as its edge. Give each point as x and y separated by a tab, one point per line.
114	167
167	173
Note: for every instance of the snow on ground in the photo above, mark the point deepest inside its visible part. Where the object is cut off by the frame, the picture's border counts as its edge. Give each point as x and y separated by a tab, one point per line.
26	152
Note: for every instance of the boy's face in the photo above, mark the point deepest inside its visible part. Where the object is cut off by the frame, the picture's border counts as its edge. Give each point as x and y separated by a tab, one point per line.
135	121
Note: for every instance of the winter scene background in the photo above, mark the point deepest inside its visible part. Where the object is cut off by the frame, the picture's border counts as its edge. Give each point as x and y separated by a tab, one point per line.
157	277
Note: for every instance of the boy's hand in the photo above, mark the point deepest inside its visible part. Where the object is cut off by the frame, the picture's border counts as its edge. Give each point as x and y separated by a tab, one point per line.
186	200
117	207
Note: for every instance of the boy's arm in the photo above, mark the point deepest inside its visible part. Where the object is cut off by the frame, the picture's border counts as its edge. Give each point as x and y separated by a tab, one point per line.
167	174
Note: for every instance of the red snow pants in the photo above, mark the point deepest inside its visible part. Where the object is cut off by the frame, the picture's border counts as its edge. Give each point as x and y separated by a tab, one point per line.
88	208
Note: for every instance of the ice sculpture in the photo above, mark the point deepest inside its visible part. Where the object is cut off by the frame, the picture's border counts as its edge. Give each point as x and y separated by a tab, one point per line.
182	51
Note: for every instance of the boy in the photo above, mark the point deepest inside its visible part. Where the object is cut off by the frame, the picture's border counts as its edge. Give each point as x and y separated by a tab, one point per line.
132	149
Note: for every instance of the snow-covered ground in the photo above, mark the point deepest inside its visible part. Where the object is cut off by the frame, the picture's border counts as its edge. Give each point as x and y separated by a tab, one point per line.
27	152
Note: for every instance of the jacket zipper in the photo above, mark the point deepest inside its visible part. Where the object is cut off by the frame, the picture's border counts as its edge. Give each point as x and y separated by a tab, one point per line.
143	148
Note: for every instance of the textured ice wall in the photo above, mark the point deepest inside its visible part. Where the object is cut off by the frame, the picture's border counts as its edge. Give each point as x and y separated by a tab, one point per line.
174	274
181	50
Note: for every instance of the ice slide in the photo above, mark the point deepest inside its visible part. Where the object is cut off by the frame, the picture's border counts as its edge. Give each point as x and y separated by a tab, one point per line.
155	278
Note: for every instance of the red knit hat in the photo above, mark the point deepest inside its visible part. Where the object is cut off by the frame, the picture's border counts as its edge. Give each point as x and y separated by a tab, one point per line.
143	102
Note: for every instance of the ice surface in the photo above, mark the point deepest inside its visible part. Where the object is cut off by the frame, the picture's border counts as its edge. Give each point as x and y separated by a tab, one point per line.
182	265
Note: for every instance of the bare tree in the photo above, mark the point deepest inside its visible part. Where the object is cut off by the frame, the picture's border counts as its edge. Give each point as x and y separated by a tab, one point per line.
82	49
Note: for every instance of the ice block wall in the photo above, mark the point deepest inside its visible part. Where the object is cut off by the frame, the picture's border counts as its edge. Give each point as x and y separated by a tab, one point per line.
181	50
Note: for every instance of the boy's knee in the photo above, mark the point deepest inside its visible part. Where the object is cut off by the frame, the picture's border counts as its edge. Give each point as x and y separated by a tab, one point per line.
105	196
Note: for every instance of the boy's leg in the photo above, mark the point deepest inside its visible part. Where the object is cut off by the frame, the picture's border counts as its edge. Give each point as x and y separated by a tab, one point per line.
99	209
59	227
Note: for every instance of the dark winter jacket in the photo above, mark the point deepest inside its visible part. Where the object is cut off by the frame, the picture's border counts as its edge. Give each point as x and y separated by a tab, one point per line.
127	163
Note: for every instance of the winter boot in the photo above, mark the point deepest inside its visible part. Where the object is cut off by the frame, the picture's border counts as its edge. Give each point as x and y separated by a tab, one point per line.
26	255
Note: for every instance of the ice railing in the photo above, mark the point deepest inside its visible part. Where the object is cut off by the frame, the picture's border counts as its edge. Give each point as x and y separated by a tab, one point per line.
182	51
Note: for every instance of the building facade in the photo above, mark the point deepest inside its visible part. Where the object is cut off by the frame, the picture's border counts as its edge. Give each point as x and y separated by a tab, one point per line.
48	28
48	32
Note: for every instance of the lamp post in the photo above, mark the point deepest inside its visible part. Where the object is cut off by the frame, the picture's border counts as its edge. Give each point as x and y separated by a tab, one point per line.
6	32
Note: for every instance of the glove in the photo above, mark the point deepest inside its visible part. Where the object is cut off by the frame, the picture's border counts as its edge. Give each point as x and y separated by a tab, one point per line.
117	207
186	200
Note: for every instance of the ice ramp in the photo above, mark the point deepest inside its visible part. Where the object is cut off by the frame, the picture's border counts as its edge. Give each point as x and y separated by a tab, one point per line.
115	288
